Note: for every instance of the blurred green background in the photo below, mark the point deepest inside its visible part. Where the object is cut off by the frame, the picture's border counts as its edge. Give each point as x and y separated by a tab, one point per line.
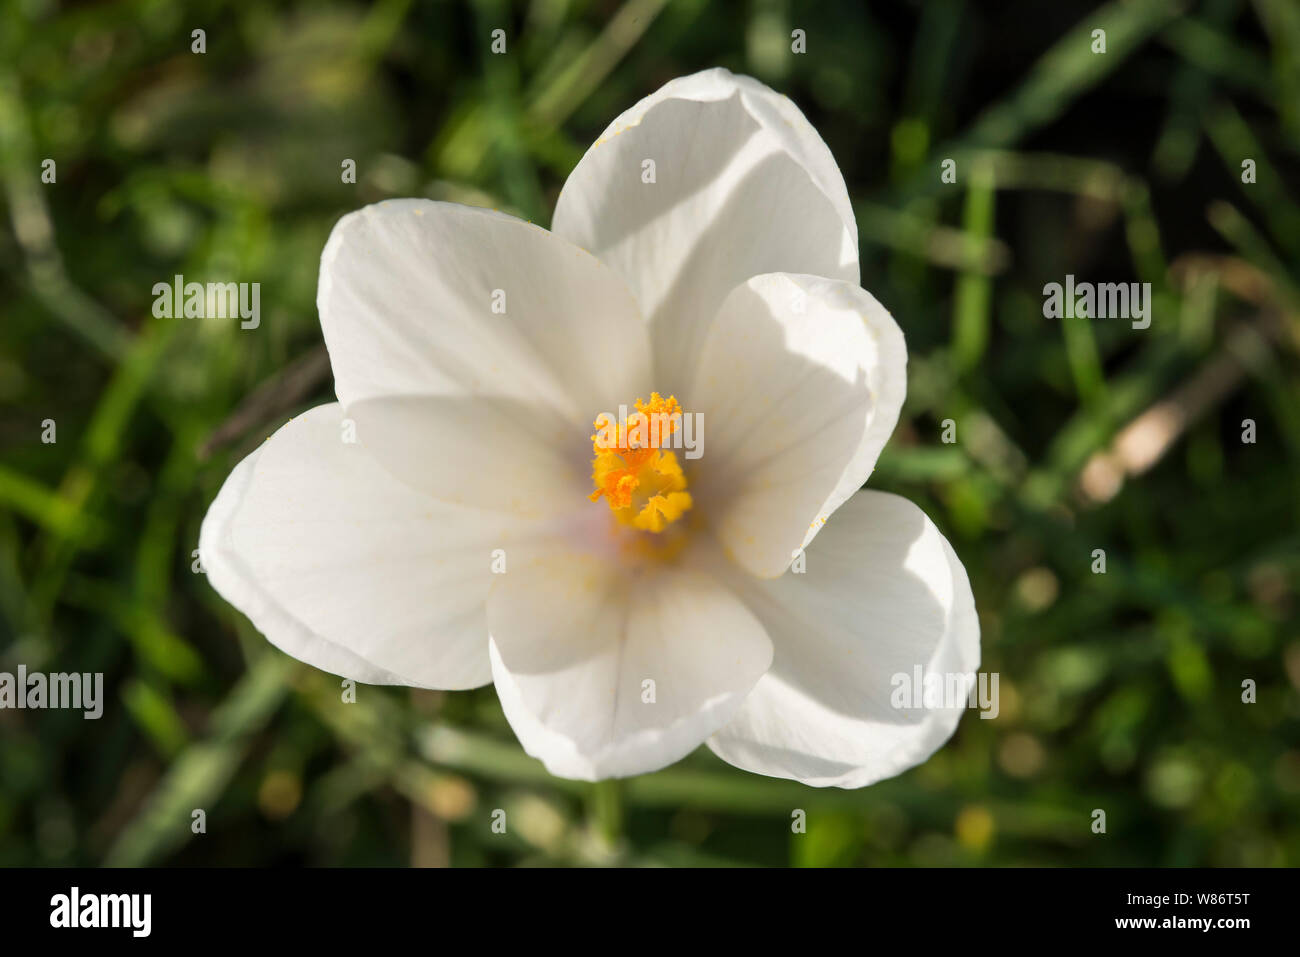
1119	691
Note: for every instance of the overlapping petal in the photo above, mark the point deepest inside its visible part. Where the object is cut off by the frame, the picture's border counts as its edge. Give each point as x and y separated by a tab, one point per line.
605	675
882	596
420	297
800	384
742	185
347	569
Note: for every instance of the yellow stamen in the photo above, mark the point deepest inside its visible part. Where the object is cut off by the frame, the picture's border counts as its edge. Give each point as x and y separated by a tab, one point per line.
642	483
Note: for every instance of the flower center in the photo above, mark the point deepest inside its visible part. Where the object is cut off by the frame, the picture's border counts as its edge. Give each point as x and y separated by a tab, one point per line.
642	483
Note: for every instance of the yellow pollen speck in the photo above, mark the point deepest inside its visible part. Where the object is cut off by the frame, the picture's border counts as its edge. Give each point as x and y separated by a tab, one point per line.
641	482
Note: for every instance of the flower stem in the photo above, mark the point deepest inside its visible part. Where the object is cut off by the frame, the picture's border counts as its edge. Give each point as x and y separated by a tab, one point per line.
606	810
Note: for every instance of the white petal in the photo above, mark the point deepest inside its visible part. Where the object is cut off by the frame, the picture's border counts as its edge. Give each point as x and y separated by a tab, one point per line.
883	594
799	385
406	297
484	452
345	568
574	641
743	185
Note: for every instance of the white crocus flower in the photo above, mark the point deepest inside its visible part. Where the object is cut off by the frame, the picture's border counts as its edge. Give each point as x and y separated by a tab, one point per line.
471	353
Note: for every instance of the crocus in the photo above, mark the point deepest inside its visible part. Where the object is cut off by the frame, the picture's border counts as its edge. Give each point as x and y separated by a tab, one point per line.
473	510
